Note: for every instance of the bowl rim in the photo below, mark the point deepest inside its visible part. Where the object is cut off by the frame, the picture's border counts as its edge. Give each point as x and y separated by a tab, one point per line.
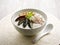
29	9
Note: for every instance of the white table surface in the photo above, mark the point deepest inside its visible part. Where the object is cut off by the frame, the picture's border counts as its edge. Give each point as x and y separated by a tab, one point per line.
10	36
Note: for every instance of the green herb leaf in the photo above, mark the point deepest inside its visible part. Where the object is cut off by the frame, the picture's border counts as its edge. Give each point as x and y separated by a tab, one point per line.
29	14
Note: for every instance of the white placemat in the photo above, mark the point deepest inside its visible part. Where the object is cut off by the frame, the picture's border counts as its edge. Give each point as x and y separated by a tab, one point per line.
10	36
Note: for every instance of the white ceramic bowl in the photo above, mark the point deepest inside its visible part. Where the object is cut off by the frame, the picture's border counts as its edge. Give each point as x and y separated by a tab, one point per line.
29	32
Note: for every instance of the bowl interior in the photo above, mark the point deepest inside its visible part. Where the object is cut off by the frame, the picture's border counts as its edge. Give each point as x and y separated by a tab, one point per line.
15	15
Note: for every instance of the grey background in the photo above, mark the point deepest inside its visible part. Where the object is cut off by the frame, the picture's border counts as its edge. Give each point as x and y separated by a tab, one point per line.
9	6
